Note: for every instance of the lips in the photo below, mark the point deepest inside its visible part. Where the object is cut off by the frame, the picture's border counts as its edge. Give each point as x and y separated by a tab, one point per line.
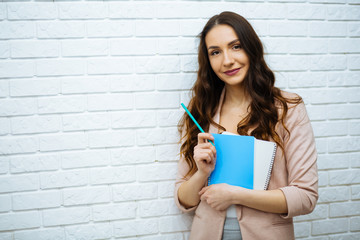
232	72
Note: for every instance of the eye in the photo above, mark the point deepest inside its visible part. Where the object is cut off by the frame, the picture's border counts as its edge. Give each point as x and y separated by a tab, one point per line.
237	47
215	52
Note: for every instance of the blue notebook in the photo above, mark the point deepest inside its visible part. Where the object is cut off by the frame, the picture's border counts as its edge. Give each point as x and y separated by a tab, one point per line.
242	161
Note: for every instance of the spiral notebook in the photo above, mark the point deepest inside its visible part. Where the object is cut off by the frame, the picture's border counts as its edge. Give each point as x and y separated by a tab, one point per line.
242	161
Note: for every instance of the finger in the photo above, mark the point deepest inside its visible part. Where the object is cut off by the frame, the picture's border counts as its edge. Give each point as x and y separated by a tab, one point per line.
203	190
203	137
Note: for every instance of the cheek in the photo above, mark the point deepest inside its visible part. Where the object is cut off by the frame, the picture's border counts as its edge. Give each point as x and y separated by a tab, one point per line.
214	63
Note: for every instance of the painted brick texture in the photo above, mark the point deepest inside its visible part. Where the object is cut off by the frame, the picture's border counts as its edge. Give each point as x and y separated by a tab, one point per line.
90	95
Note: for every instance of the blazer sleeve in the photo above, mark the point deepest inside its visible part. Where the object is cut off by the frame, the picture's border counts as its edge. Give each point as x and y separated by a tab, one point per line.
300	154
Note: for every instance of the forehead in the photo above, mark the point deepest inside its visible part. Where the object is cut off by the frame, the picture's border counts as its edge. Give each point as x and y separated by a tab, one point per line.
220	35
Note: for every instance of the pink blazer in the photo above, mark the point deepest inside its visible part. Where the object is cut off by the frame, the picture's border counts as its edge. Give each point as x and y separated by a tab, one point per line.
294	172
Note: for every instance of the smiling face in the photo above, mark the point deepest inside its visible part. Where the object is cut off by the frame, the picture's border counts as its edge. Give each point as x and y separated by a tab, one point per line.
227	58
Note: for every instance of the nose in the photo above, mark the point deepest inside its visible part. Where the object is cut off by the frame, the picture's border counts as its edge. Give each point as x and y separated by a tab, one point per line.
228	59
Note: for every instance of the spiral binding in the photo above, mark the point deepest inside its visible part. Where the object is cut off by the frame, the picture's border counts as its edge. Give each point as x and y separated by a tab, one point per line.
270	169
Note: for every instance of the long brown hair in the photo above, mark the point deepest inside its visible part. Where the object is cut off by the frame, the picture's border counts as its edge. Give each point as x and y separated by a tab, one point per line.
259	82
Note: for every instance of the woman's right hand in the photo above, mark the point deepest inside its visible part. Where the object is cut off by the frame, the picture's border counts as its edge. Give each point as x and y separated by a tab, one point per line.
205	154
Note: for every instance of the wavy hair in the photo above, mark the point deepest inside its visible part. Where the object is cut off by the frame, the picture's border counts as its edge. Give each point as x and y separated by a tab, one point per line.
259	82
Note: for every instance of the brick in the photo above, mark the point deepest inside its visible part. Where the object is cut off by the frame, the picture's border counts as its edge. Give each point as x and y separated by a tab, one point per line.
112	175
157	100
288	63
306	12
321	211
276	45
110	66
289	28
343	12
129	156
34	49
156	172
4	126
136	10
4	89
84	48
133	119
340	144
344	45
29	87
175	223
344	177
63	142
179	10
174	45
91	158
5	203
353	29
168	153
22	220
355	224
167	82
131	47
32	11
15	145
307	79
38	200
334	194
329	226
134	191
34	163
326	62
35	124
354	62
66	216
327	29
64	179
114	212
97	84
354	160
113	28
89	231
156	136
129	83
345	209
323	178
333	161
329	129
42	234
189	64
87	121
317	112
343	111
119	138
3	11
265	11
321	145
16	68
190	28
169	118
158	208
4	165
157	28
355	192
60	67
343	79
302	229
60	29
166	189
157	64
135	227
167	236
23	106
346	236
90	195
63	104
71	10
4	49
17	29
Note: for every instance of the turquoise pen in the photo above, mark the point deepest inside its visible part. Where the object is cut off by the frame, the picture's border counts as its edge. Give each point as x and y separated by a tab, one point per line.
197	124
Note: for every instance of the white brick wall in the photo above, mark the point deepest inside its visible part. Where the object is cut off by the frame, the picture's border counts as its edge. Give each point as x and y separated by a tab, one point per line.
90	96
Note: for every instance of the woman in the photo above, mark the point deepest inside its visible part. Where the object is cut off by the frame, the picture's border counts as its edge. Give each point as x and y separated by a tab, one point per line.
235	92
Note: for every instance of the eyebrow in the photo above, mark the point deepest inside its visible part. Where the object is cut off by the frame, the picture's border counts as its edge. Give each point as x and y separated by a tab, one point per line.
232	42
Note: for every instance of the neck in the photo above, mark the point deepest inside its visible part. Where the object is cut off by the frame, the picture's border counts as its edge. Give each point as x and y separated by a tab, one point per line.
236	96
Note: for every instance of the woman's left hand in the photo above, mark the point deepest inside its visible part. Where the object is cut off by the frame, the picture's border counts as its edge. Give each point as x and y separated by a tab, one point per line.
218	196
